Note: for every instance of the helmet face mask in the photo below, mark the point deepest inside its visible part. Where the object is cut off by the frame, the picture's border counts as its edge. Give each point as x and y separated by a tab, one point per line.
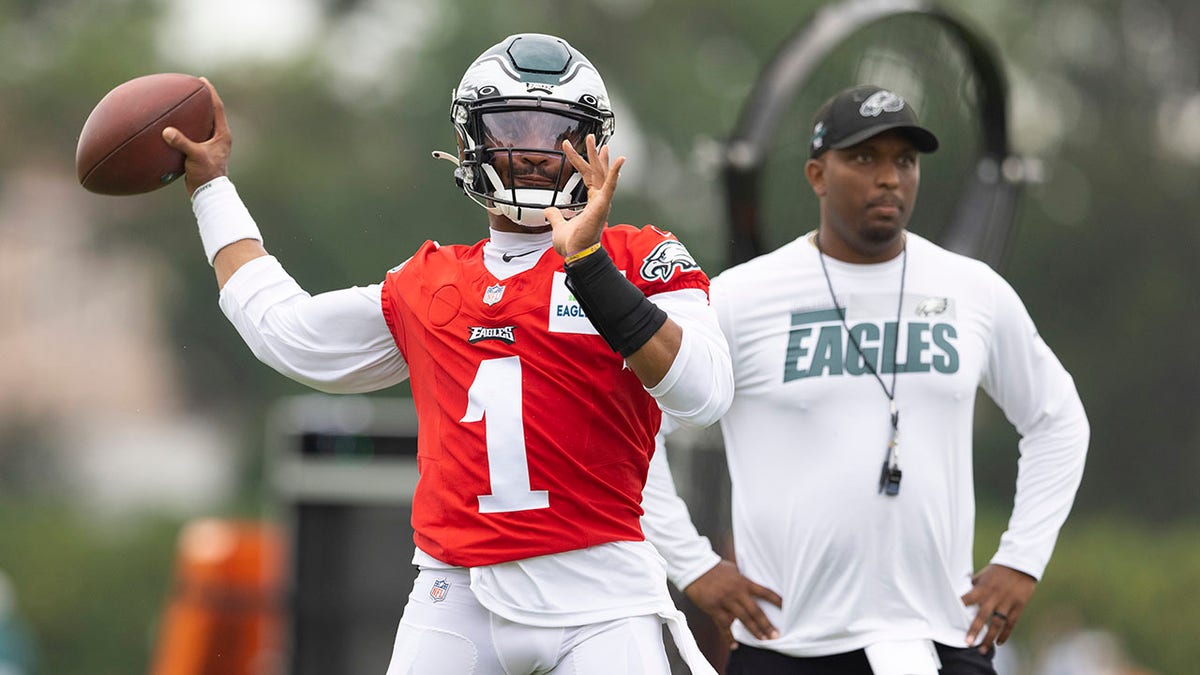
512	111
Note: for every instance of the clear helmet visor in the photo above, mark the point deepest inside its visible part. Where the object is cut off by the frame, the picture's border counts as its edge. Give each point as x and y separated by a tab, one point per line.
524	165
513	163
524	147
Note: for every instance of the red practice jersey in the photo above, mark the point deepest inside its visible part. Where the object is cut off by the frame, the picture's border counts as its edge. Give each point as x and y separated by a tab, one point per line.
533	438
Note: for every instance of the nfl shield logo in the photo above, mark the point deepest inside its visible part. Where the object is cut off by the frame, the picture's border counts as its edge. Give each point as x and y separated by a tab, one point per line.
493	294
440	588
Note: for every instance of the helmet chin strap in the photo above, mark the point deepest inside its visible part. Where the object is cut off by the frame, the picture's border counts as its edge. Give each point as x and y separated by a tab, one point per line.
530	201
530	213
523	215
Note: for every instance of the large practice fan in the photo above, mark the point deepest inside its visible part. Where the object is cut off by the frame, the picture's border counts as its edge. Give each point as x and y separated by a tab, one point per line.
944	68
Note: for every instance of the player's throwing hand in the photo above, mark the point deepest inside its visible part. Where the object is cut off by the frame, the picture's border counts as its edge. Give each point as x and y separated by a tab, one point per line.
210	159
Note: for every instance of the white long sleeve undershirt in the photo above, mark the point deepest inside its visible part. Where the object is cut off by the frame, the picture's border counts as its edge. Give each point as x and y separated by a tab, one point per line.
338	341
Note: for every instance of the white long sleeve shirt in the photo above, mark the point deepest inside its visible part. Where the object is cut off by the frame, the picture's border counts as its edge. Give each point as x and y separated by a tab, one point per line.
808	431
668	523
338	342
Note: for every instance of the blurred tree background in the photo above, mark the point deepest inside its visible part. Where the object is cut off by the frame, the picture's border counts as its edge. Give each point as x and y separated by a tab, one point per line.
109	322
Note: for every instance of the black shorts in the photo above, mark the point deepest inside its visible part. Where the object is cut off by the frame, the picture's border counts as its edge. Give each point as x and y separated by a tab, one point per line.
754	661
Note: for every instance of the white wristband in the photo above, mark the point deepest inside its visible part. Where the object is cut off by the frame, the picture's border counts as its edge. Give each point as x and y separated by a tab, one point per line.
221	216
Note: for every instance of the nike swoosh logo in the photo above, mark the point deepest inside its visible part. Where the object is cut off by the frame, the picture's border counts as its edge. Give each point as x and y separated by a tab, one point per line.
508	257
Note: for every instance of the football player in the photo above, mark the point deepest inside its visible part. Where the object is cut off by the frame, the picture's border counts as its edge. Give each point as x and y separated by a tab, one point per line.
541	361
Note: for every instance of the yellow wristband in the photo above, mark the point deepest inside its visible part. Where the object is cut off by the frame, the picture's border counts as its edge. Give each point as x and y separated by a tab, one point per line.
581	254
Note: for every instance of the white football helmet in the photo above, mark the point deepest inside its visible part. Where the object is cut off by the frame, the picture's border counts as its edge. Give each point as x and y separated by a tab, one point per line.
512	110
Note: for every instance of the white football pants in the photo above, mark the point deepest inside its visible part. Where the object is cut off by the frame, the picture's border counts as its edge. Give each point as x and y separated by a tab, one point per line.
455	635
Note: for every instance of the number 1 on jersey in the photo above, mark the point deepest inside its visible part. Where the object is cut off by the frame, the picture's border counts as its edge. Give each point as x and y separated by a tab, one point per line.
495	397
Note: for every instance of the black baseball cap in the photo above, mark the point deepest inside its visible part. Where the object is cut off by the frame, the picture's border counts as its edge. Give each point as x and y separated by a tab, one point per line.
858	113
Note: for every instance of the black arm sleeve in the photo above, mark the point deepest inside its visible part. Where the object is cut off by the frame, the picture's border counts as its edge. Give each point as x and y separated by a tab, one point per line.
618	310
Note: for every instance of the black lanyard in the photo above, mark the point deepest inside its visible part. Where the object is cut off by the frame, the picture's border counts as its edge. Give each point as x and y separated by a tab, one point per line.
889	477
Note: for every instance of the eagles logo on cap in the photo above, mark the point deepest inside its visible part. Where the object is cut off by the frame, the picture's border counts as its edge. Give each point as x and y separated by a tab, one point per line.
818	139
858	113
880	102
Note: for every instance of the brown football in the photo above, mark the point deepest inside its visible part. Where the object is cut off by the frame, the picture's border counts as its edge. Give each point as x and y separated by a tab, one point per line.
121	150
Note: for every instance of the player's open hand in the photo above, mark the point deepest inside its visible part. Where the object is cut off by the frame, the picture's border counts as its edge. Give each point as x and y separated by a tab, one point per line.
1001	594
210	159
724	594
600	178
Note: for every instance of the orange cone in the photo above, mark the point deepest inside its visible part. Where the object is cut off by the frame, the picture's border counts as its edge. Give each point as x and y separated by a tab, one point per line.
224	616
